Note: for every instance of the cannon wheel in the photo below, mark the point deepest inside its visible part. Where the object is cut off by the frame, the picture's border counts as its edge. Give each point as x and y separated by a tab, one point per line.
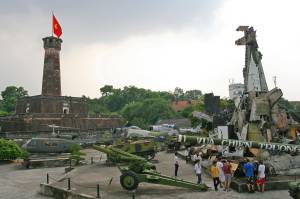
149	156
129	180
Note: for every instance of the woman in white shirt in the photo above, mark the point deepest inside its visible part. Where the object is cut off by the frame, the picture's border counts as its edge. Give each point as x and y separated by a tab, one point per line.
197	168
221	173
186	154
261	177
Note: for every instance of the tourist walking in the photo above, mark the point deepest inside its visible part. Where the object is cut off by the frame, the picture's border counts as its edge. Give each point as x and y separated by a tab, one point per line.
196	157
176	162
228	174
221	173
186	154
249	172
215	174
197	168
261	177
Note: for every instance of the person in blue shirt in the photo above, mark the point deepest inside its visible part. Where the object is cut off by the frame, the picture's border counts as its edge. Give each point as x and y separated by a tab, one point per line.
249	172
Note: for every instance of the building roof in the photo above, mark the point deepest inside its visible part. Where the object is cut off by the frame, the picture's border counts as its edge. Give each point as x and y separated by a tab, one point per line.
180	123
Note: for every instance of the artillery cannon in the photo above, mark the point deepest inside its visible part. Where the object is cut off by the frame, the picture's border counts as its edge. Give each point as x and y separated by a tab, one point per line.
294	189
140	170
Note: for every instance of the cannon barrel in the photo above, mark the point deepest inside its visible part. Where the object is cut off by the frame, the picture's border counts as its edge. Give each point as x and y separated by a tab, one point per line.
118	154
140	170
195	140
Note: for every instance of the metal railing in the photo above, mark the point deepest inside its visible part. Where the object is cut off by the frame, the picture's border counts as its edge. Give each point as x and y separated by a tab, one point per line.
70	183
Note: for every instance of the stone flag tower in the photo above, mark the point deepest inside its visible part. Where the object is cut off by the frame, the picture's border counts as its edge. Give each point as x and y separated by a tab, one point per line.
34	114
51	75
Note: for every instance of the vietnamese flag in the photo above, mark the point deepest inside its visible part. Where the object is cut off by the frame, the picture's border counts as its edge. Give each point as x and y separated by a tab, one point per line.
56	27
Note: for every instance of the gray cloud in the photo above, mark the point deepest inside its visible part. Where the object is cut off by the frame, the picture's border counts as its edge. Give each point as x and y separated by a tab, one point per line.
112	20
24	23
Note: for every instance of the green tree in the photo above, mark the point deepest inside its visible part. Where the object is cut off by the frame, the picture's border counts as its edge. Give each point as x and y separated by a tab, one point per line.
9	150
96	107
114	100
114	103
178	93
10	96
187	111
107	90
76	153
285	104
193	94
297	108
166	95
147	112
226	104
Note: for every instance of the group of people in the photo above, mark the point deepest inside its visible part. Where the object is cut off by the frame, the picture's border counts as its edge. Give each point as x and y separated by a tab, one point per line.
250	170
222	173
197	164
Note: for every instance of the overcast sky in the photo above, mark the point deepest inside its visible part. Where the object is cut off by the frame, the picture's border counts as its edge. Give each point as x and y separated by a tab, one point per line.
156	44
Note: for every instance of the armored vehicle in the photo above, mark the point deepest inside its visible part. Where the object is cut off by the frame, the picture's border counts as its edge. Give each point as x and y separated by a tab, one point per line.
143	148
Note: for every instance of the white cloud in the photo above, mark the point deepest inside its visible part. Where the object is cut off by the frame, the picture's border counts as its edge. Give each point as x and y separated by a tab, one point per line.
192	56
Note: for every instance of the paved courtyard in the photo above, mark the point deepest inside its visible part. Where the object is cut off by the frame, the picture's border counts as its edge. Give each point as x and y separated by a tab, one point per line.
23	183
88	176
19	183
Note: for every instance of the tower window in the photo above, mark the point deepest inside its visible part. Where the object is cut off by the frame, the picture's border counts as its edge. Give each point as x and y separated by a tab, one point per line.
66	110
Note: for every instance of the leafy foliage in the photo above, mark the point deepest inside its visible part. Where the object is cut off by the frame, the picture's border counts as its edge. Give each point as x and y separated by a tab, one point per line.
113	101
193	94
10	96
76	153
227	104
9	150
142	107
178	93
147	112
285	104
106	90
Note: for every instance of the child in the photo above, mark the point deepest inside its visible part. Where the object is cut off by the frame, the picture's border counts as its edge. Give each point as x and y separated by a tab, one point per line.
215	174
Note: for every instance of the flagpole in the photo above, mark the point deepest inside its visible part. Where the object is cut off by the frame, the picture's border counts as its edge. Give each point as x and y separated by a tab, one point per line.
52	23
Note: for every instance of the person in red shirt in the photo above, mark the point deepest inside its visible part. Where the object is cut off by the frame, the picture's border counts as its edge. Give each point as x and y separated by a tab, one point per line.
228	174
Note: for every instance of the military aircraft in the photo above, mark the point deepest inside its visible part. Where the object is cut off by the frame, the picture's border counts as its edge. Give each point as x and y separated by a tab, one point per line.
48	145
58	143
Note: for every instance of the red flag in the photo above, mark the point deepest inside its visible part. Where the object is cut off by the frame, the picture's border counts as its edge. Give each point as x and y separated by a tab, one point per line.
56	27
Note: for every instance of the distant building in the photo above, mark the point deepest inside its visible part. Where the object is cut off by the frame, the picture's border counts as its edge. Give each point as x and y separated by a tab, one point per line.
235	92
211	104
179	123
180	105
